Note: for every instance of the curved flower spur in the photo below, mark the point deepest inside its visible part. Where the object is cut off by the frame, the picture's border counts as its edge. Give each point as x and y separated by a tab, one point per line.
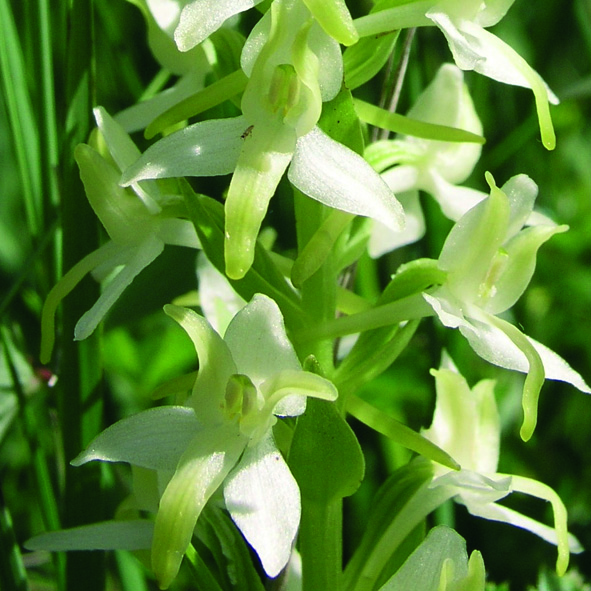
293	67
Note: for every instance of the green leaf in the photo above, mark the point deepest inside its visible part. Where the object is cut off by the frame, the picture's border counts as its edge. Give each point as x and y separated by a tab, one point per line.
325	456
340	121
395	495
373	352
20	112
367	57
230	549
13	576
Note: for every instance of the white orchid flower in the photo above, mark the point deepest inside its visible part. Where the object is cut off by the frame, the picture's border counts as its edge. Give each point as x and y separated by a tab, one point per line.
190	22
293	66
409	164
466	425
139	222
464	24
223	438
489	259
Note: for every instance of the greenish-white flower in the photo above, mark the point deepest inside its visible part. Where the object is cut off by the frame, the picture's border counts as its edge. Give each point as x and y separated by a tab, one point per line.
464	24
223	437
293	66
139	221
466	425
190	22
489	258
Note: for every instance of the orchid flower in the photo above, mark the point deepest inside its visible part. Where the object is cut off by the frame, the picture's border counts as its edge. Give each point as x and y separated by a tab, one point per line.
464	24
223	437
489	260
192	67
193	21
139	222
440	563
436	167
293	66
466	425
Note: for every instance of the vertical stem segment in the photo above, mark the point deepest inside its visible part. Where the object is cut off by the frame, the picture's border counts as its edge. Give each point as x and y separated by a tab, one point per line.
80	407
321	543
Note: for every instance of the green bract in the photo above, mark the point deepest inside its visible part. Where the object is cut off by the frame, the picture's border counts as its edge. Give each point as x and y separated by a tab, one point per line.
489	259
223	437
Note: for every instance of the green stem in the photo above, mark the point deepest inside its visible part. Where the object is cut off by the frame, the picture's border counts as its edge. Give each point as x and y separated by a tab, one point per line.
320	540
319	289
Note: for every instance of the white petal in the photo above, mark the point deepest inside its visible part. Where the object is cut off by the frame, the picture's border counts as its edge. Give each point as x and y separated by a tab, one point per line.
493	345
155	439
217	299
207	148
179	233
264	501
258	342
215	364
384	240
454	201
557	368
338	177
200	18
108	535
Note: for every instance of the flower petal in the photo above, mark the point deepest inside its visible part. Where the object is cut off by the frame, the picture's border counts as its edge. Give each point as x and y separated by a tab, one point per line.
215	364
205	463
64	286
465	423
200	18
155	439
217	299
263	499
286	391
338	177
335	19
207	148
384	240
474	48
258	341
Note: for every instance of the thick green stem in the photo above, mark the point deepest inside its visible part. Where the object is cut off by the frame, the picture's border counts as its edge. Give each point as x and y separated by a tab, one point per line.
321	544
